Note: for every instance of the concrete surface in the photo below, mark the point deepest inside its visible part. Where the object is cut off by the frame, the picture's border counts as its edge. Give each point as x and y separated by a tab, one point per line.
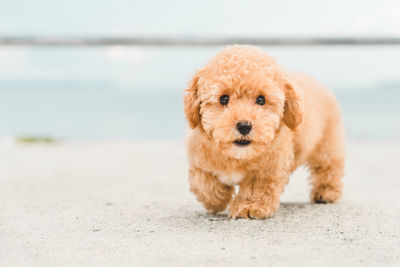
128	204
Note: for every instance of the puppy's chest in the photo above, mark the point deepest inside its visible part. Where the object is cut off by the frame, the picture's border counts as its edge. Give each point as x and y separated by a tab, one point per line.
228	175
232	178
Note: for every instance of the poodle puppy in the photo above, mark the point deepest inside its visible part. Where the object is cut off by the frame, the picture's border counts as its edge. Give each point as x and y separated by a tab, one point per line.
252	125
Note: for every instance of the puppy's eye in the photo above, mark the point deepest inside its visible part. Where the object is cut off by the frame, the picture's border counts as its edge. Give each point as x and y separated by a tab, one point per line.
260	100
224	99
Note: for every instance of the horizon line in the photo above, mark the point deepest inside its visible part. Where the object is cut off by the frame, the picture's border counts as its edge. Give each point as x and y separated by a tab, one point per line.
192	41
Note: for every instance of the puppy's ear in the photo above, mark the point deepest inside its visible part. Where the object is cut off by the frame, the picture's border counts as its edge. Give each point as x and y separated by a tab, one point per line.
191	101
294	109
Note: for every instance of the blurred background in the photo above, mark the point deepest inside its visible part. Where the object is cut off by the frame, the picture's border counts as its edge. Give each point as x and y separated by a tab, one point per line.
116	91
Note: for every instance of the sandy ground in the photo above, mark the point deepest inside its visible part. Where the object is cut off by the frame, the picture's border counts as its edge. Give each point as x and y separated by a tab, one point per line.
128	204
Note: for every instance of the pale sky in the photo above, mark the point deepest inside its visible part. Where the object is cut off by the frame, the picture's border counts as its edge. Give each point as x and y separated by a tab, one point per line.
206	17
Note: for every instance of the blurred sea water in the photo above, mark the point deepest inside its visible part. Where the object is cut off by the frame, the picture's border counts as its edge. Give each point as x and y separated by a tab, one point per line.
91	93
80	94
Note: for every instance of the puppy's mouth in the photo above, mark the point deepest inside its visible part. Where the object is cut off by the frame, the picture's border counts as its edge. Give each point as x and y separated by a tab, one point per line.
242	142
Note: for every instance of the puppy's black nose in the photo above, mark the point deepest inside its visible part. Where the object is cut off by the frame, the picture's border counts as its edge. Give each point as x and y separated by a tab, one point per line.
243	127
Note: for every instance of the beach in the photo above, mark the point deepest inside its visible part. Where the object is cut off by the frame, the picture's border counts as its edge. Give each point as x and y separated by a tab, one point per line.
127	203
93	169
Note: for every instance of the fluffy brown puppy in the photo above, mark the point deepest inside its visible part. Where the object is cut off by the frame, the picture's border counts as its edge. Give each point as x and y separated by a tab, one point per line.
253	125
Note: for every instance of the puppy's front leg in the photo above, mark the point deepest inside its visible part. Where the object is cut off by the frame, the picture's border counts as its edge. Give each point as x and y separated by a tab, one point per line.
258	198
213	194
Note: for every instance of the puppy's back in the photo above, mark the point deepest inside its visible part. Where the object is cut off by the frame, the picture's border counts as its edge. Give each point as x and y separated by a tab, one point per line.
321	114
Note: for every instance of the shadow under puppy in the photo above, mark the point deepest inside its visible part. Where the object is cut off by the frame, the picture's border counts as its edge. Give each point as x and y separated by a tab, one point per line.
253	124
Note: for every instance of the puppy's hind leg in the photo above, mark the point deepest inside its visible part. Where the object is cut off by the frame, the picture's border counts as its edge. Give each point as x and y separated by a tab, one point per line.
213	194
327	167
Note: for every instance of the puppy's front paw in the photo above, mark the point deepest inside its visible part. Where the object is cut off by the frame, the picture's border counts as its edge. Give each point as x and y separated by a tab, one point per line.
326	194
252	210
213	208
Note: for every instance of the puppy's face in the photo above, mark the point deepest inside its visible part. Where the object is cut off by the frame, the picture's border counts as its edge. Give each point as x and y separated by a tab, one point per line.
239	100
241	120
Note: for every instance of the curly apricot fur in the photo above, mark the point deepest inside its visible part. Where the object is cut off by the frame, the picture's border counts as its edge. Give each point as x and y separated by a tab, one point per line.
300	124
